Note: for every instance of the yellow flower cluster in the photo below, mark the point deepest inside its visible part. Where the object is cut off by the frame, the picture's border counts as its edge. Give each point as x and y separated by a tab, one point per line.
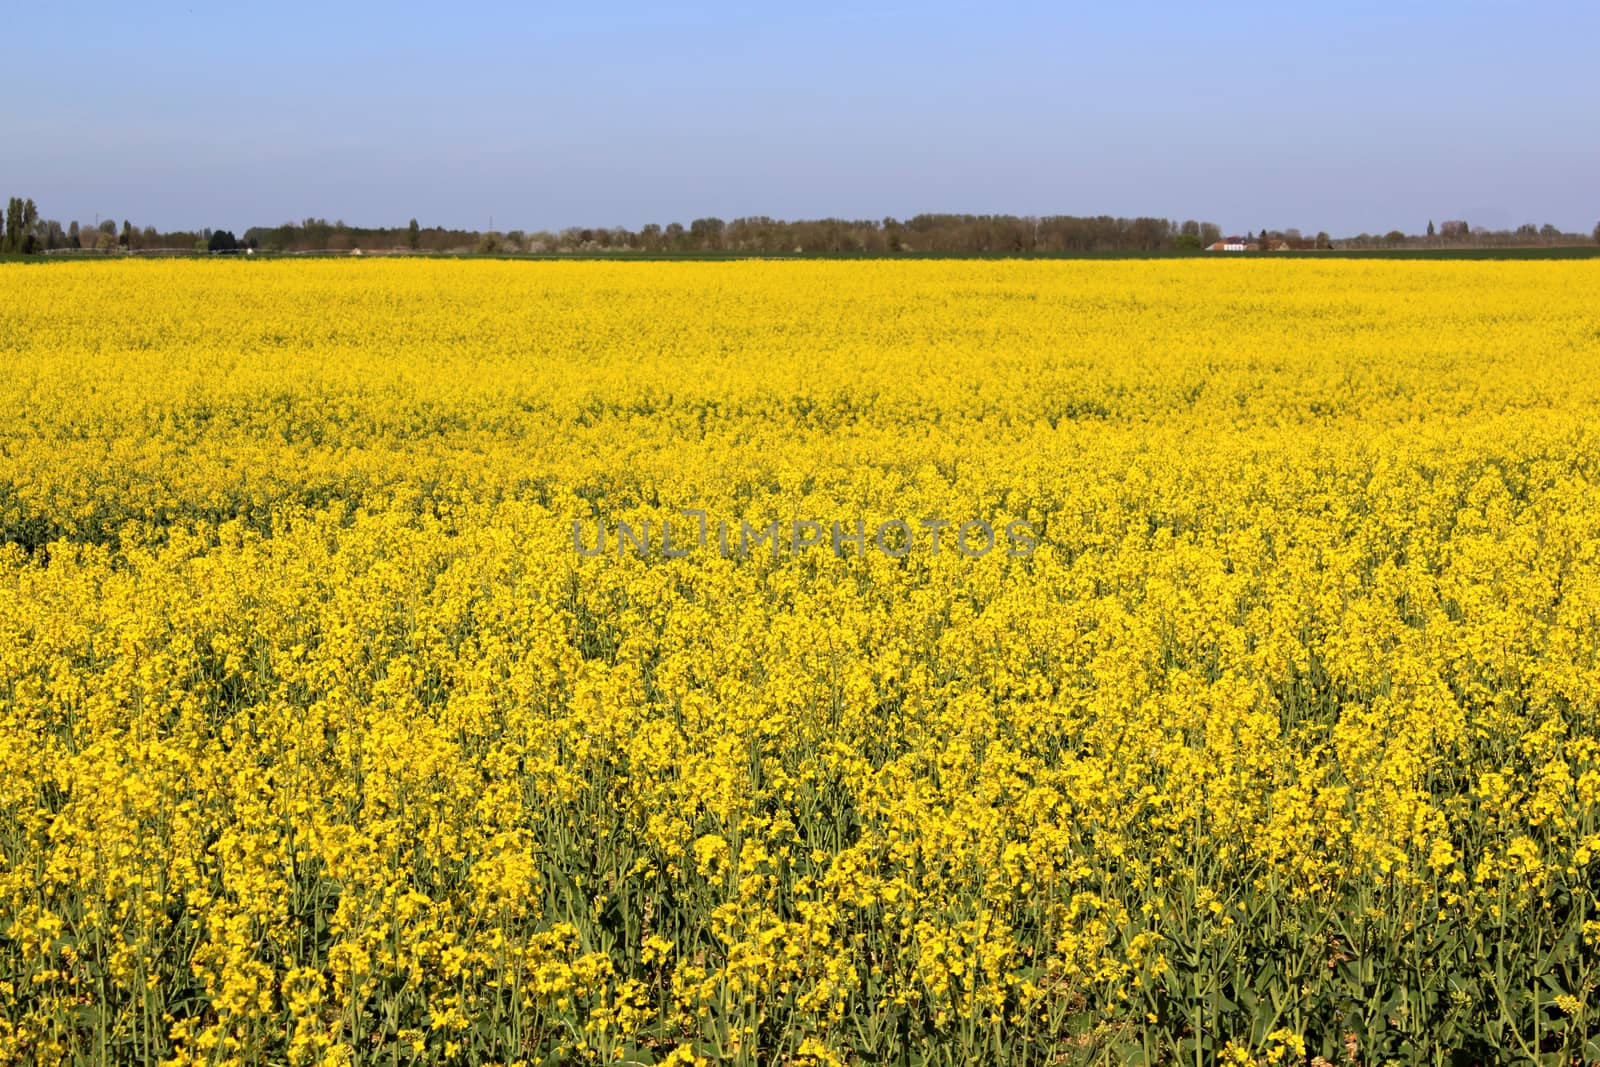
321	743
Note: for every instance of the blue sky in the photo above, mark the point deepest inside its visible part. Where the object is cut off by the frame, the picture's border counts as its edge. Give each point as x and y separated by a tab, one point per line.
1355	117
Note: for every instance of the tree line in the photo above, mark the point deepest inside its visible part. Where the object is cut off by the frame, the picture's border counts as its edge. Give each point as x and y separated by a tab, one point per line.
26	233
756	235
927	234
760	235
1458	233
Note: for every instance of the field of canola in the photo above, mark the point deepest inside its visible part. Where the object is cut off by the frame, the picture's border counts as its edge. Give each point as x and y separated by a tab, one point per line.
321	743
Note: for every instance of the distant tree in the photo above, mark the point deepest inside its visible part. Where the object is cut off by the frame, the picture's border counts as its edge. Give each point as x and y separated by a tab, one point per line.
1324	241
21	217
222	241
414	235
1549	232
72	236
30	219
1395	237
1210	233
1187	241
1596	234
706	233
126	240
1430	227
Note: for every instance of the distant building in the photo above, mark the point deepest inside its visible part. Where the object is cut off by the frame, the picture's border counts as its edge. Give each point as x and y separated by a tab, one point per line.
1228	244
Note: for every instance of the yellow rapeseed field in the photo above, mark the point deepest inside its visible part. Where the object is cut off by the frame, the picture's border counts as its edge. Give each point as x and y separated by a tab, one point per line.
399	662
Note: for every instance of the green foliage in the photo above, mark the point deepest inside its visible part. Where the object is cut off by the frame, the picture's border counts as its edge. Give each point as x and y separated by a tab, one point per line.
20	219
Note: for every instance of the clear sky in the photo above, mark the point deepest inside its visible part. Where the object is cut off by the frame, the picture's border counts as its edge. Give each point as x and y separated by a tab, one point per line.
1356	117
